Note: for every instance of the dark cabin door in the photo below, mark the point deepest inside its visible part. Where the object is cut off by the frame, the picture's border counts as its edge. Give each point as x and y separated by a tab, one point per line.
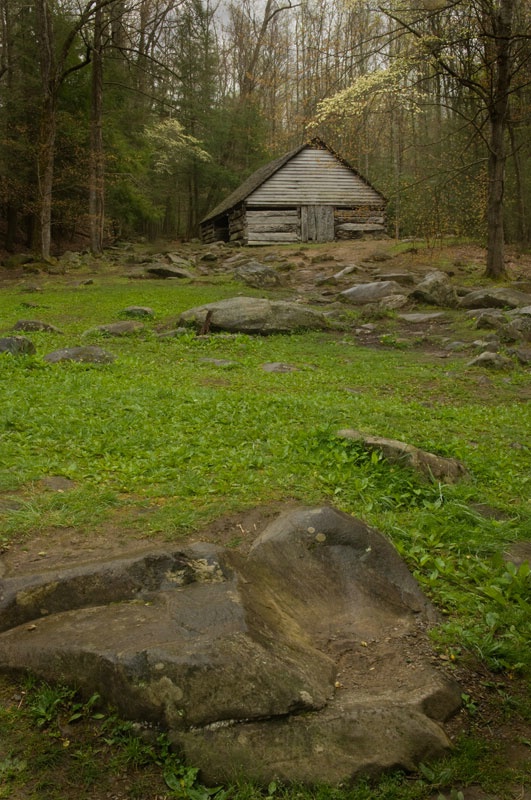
317	223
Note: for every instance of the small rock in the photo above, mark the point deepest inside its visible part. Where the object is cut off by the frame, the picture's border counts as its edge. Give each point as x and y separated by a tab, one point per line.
429	465
490	319
492	361
524	311
522	354
178	261
519	329
165	271
326	280
348	270
496	297
393	301
519	553
218	362
89	355
406	278
30	289
259	276
277	366
117	328
17	346
421	318
138	311
35	325
58	483
436	290
173	333
371	292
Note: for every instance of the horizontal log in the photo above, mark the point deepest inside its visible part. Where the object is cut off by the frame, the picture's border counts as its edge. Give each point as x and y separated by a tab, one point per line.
359	226
271	228
260	238
278	213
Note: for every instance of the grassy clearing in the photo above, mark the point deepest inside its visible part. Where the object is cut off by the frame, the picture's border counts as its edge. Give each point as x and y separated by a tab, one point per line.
168	432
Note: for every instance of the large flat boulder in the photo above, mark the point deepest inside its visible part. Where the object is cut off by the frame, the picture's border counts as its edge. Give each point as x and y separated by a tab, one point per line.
302	661
495	297
428	465
371	292
255	315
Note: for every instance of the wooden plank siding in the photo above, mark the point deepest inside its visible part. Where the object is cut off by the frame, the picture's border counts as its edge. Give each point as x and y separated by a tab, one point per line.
314	177
317	223
279	225
307	195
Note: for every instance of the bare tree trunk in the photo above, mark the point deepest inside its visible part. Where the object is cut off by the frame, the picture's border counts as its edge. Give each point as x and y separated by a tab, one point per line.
48	127
97	157
45	173
498	113
522	224
495	232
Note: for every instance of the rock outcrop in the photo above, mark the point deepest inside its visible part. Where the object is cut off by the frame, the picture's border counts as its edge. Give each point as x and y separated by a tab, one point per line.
302	661
429	465
255	315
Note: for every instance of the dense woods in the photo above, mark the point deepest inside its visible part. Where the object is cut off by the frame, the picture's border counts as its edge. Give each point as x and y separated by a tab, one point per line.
123	117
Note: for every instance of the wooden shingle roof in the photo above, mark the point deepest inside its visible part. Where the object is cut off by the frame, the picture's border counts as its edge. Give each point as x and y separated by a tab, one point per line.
263	174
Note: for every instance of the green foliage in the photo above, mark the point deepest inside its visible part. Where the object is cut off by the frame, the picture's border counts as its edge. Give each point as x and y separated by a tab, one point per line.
163	441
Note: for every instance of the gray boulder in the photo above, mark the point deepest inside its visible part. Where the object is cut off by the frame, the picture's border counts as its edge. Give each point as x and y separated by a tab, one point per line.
83	355
260	276
138	311
495	297
524	311
491	361
490	319
17	345
292	663
167	271
179	261
31	325
436	289
517	330
522	355
255	315
427	464
123	328
371	292
418	317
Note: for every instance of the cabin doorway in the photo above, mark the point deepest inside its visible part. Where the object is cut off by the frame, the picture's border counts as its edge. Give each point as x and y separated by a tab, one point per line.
317	223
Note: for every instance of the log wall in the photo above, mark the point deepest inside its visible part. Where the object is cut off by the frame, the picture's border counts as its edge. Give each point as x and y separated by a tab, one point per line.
273	225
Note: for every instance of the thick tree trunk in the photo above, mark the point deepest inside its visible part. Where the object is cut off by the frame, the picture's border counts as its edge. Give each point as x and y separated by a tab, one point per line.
495	229
48	127
97	168
45	173
502	21
522	223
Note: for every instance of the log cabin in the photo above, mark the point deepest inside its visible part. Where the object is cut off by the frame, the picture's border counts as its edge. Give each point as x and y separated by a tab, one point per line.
310	194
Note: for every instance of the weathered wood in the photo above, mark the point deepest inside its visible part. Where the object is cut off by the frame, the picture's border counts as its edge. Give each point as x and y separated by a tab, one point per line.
315	177
283	213
362	226
317	223
304	196
260	237
264	228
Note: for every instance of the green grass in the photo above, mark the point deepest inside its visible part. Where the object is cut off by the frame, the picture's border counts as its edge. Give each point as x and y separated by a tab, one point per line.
163	442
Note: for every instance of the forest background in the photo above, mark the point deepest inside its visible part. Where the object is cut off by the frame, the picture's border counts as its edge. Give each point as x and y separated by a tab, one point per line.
127	117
